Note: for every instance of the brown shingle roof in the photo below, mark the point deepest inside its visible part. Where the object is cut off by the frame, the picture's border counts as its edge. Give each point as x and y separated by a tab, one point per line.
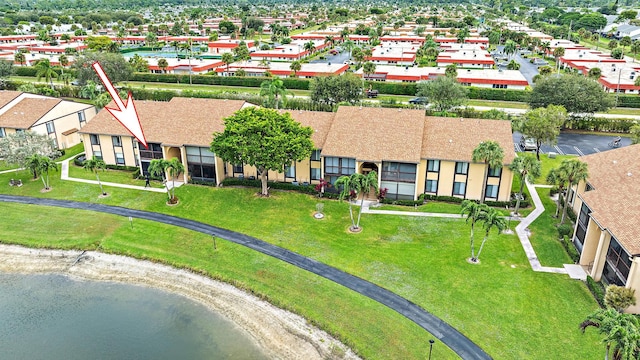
26	112
376	134
319	121
181	121
454	138
615	200
6	96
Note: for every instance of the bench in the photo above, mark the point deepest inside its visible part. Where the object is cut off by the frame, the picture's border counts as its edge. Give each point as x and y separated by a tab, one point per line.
17	183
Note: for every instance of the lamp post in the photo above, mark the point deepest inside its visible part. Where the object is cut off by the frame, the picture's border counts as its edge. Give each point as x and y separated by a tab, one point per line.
618	87
431	341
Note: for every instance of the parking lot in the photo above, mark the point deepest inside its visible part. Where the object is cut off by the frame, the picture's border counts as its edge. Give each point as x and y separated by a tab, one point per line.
575	144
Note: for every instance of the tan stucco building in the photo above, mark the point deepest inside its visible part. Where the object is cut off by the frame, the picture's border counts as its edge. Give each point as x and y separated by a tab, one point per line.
607	231
59	119
411	153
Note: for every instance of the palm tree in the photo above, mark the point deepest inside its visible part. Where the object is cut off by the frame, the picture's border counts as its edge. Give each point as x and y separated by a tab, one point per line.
295	66
368	68
309	46
272	89
94	164
575	171
46	165
64	62
349	184
163	64
509	48
451	71
513	65
595	73
20	58
33	164
227	58
556	178
473	211
173	168
44	69
366	183
491	218
528	169
635	49
348	45
492	155
621	330
329	39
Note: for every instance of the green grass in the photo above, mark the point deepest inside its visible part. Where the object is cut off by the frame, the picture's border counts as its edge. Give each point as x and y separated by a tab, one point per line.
108	175
438	207
497	303
5	166
498	104
544	236
548	164
72	152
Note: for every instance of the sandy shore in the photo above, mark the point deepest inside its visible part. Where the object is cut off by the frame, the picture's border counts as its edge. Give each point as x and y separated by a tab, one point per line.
281	334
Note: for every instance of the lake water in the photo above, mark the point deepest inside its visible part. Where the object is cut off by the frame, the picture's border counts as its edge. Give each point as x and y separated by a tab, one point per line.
56	317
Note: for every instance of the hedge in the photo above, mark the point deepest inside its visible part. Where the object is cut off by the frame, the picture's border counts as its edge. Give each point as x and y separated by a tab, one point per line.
32	71
497	94
597	290
599	124
630	101
571	250
249	81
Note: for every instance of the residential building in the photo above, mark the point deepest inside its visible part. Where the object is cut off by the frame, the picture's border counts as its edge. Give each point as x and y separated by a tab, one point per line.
60	119
411	153
607	230
282	69
224	46
466	59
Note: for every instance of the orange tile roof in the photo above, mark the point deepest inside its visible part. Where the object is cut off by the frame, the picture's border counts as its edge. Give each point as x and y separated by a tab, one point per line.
6	96
376	134
27	112
615	199
181	121
319	121
455	138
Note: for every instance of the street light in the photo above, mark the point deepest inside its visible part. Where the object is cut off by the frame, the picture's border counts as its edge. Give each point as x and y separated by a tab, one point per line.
431	341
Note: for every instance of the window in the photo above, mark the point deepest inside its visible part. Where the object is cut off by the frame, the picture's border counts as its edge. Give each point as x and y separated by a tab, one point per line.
335	167
2	132
432	186
315	174
154	151
117	141
238	169
462	168
499	86
495	172
95	140
200	155
97	154
82	118
619	261
433	165
315	155
119	158
492	191
393	171
50	128
587	187
583	218
290	171
459	188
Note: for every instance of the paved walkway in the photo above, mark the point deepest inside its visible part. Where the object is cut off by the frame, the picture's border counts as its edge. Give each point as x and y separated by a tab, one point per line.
64	175
451	337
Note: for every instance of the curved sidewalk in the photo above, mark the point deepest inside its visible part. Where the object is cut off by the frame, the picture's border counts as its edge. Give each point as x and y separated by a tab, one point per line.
451	337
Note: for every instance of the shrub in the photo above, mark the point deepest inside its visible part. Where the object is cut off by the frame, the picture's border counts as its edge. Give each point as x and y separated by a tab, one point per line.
79	160
570	249
599	124
596	289
565	230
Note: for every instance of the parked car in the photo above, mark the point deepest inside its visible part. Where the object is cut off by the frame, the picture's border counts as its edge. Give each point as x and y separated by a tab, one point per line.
528	143
418	101
371	93
333	52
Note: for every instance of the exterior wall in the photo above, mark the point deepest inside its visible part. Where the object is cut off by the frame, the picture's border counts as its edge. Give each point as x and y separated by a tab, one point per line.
421	177
590	247
474	181
633	282
506	181
64	117
108	151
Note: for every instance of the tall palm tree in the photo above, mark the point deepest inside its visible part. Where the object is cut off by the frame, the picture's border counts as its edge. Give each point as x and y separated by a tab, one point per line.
163	64
528	169
94	164
491	154
349	184
556	178
574	171
33	164
635	49
172	168
309	46
474	212
295	67
46	165
20	58
366	183
491	218
272	89
45	70
329	39
621	330
509	48
227	58
64	61
368	68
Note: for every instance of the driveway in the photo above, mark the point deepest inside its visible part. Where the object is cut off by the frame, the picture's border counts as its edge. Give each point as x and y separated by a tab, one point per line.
459	343
334	59
570	143
527	69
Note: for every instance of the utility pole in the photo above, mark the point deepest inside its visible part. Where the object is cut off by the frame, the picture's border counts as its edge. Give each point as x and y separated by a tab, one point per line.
618	87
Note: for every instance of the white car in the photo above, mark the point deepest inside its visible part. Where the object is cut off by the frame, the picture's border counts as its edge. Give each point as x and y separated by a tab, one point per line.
528	143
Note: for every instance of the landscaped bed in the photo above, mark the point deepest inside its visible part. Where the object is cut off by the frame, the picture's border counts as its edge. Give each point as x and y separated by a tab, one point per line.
509	310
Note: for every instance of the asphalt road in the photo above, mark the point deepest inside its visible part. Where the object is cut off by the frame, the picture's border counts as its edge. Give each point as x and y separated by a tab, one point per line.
451	337
527	69
576	144
340	58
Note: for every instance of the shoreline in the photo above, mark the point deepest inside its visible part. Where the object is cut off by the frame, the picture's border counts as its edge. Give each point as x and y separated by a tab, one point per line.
279	333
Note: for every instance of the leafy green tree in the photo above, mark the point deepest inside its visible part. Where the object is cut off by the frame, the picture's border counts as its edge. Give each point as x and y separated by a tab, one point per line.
574	171
173	168
263	138
45	70
528	169
591	21
619	297
368	68
295	66
98	43
6	69
595	73
451	71
621	331
558	53
336	89
635	132
543	125
463	34
491	154
17	147
227	58
151	40
443	92
491	218
114	65
473	212
94	164
635	49
625	41
578	94
139	64
272	89
612	44
19	58
617	53
513	65
163	64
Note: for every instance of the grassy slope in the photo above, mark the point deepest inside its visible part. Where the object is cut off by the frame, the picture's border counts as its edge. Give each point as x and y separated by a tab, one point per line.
497	303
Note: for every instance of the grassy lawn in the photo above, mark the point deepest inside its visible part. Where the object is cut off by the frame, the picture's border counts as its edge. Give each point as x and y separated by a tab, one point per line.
439	207
544	236
548	164
497	303
108	175
71	152
498	104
